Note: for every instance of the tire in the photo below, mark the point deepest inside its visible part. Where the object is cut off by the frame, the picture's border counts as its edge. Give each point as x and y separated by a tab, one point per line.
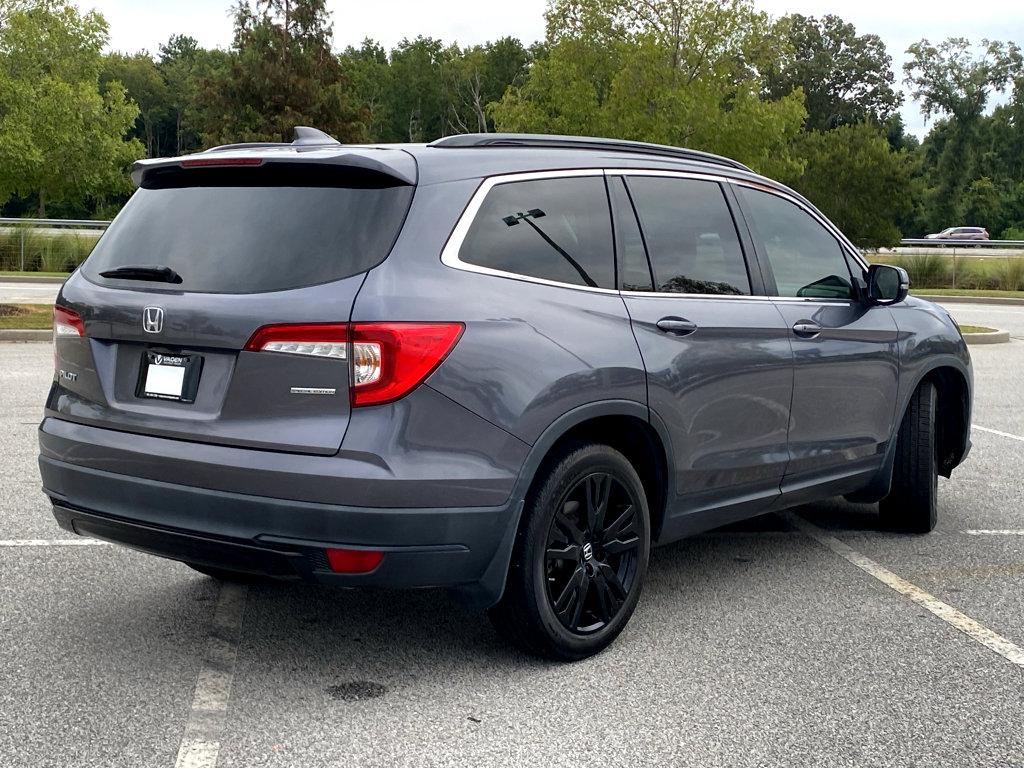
912	502
227	575
585	532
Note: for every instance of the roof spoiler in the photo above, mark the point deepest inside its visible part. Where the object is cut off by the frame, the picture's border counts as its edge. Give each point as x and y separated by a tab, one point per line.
397	164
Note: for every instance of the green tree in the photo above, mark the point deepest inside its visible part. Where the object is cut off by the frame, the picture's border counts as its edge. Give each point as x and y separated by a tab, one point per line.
1005	142
950	80
845	77
982	205
682	72
480	75
61	138
369	82
141	79
424	89
858	181
281	73
186	68
418	100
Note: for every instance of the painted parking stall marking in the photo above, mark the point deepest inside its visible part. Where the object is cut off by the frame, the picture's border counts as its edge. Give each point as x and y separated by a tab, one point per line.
998	432
200	742
967	625
51	542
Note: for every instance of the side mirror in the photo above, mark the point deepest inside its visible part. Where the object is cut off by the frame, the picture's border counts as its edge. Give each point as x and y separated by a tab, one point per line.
887	284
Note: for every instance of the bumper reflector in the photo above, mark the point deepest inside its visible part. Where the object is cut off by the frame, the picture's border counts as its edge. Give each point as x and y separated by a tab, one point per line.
353	561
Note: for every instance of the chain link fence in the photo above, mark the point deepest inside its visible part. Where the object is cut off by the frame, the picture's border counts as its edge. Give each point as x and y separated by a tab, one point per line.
47	245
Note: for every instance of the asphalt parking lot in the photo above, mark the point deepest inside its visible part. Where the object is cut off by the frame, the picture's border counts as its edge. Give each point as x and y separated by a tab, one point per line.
775	642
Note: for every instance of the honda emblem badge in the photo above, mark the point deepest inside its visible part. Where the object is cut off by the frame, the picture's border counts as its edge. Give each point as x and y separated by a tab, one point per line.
153	319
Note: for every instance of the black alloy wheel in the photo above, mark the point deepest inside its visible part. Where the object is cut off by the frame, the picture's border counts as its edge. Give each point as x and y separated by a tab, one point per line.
580	555
592	553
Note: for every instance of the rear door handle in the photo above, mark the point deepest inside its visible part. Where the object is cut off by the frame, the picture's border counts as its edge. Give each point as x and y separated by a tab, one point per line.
806	329
677	326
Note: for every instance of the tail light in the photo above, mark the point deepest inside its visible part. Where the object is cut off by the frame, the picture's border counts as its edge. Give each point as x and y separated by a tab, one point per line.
389	360
321	340
66	323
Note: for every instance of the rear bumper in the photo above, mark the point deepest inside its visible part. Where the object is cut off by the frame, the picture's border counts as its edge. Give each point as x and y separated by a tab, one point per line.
462	548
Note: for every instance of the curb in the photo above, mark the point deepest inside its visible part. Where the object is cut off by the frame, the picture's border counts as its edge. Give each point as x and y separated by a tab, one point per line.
970	299
26	335
988	337
31	279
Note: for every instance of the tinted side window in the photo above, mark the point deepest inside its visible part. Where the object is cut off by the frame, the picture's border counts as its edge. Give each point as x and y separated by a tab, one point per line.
555	229
690	235
634	271
805	258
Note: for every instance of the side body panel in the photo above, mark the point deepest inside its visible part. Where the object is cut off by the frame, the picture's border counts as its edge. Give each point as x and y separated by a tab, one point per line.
724	393
530	352
844	390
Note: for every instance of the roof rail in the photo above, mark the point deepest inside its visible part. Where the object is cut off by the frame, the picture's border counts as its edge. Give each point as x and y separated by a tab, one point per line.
583	143
303	136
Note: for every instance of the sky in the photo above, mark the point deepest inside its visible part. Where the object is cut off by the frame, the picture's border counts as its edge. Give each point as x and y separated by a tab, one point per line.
144	24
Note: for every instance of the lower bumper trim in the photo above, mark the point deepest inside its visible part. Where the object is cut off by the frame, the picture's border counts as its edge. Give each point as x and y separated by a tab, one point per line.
182	546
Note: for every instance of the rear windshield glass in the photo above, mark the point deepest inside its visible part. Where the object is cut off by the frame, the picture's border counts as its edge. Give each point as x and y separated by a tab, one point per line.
250	230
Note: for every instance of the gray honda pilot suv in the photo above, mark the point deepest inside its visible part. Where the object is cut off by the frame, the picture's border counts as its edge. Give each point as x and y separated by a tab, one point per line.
506	365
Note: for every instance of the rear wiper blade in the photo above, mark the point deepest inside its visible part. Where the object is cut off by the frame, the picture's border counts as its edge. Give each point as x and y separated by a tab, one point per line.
135	272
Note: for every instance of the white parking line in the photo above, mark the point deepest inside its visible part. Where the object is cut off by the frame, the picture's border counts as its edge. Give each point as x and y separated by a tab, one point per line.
200	742
965	308
970	627
995	532
998	432
50	542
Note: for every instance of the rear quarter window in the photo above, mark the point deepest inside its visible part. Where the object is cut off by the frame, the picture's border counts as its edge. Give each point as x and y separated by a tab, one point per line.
554	229
253	230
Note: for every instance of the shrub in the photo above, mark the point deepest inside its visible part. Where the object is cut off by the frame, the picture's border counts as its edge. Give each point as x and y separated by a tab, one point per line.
53	253
1009	274
971	273
43	251
928	270
9	249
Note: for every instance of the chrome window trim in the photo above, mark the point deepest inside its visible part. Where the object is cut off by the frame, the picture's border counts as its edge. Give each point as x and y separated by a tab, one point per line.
711	177
732	297
673	295
450	252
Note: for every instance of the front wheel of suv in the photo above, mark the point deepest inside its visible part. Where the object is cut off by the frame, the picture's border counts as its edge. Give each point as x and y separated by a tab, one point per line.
580	556
912	503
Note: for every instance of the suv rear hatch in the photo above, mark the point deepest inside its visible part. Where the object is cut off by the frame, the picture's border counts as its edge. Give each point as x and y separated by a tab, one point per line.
208	252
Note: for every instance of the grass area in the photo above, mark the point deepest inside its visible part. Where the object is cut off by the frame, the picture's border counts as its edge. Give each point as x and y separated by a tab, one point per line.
26	316
42	249
967	329
933	271
27	274
968	292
